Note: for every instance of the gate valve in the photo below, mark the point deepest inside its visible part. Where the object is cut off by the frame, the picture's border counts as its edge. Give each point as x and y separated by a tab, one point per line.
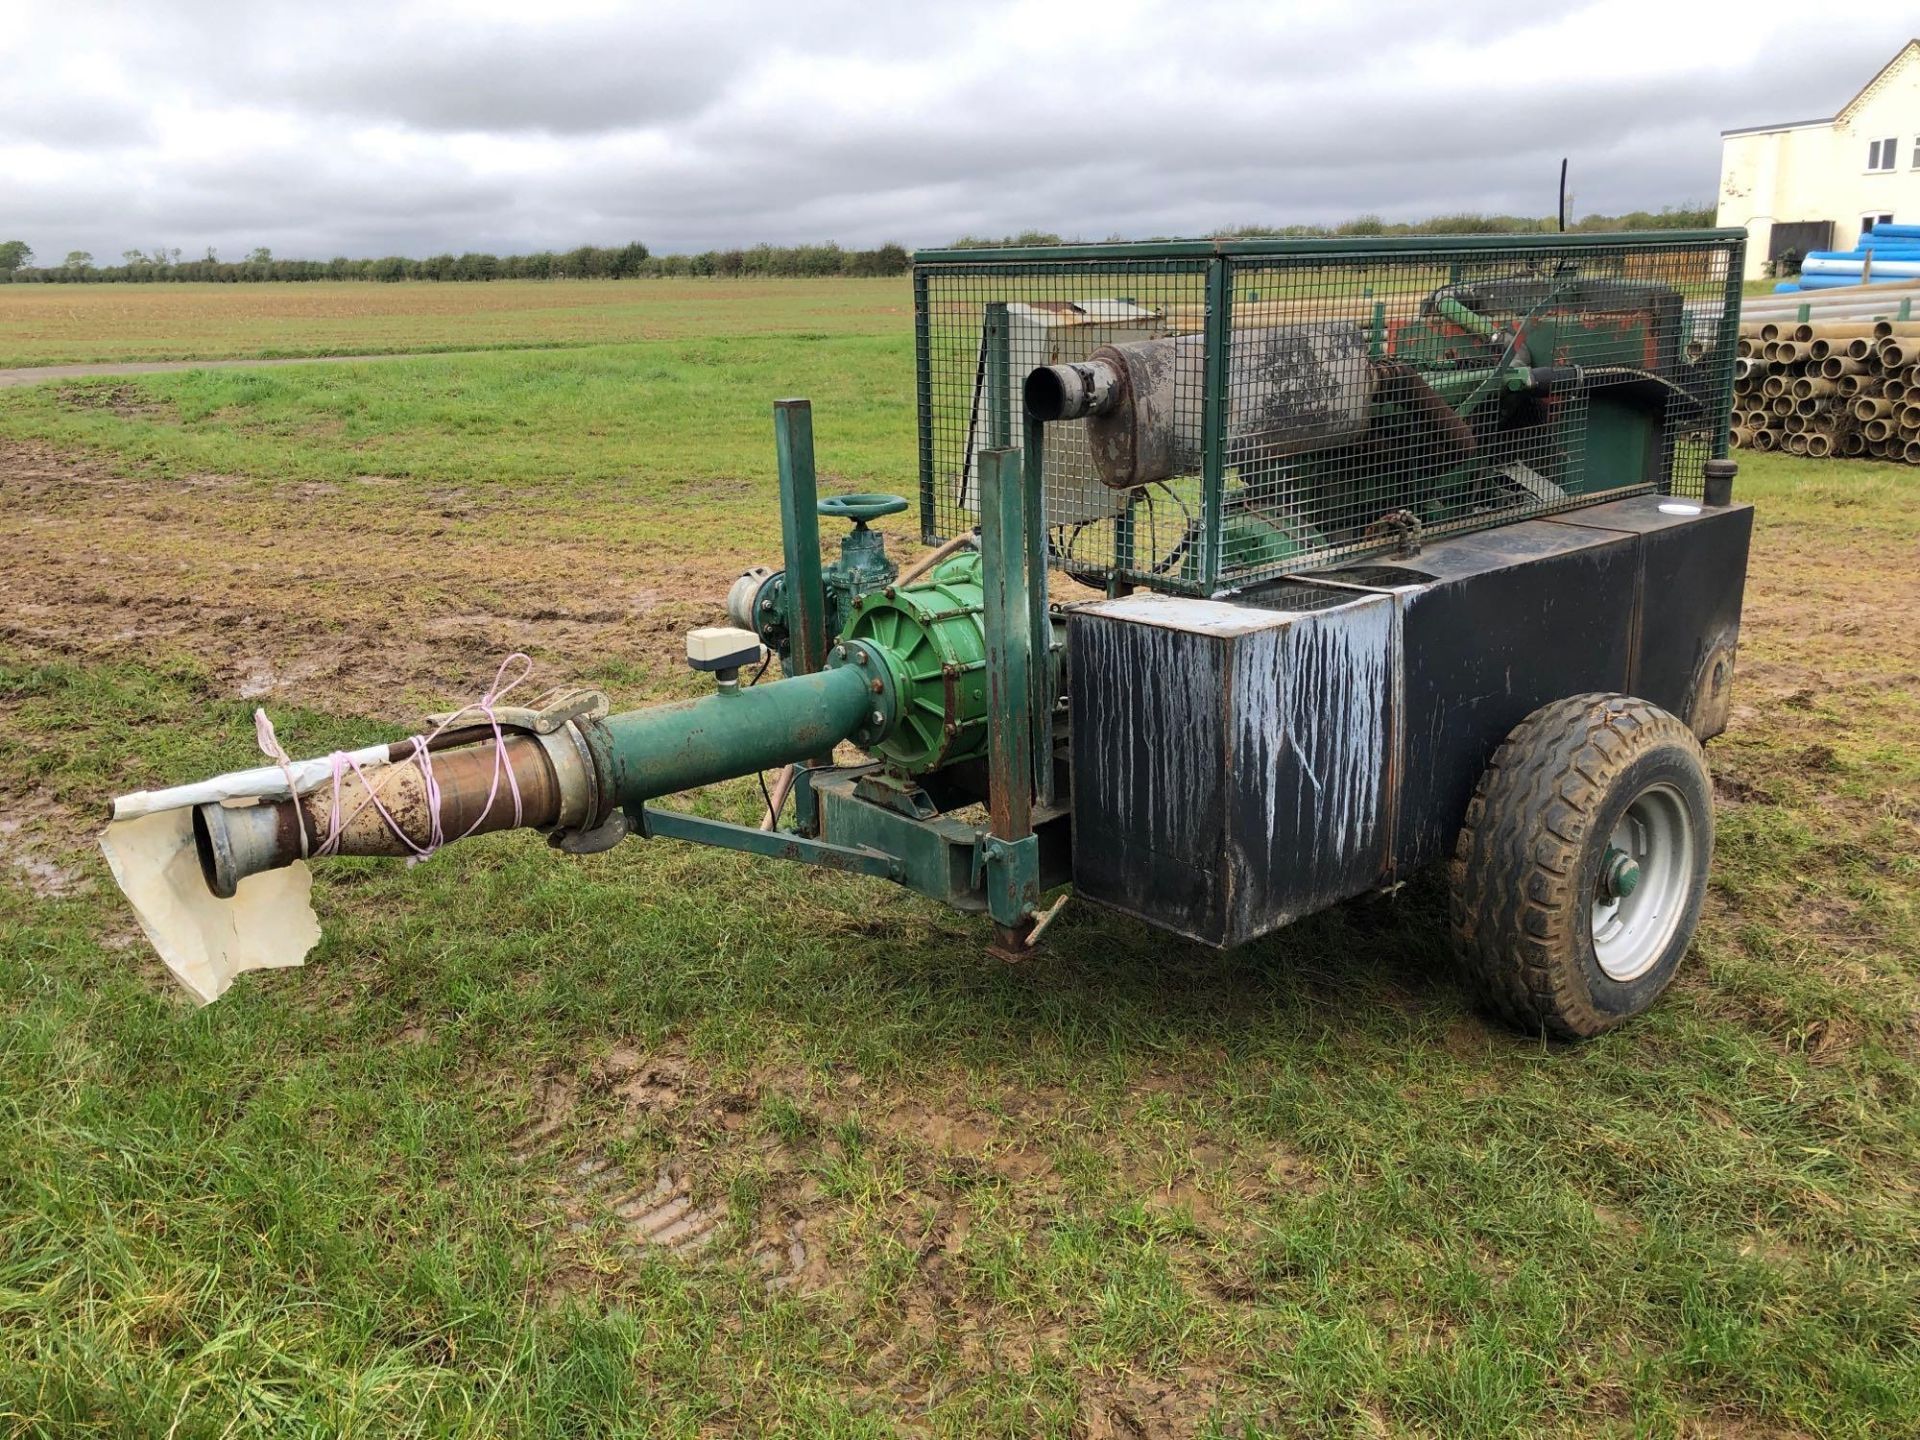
861	508
863	565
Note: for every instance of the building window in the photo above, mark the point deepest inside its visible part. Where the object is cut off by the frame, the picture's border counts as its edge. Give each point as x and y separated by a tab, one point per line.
1916	152
1881	154
1867	222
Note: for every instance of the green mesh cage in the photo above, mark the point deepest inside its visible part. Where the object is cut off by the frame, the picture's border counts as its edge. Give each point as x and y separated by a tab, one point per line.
1295	404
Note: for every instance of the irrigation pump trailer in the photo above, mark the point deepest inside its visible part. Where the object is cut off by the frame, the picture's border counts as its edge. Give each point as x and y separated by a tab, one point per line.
1268	573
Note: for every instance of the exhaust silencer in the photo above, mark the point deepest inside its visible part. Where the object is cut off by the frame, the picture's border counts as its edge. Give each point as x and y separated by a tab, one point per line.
1290	389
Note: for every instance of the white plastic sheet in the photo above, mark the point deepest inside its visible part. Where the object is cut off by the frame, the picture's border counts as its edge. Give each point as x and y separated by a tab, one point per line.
204	940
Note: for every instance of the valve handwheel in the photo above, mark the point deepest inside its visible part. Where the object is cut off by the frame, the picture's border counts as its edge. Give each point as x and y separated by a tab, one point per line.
861	508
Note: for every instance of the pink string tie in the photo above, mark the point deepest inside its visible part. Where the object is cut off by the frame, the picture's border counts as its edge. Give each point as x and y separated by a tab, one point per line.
422	755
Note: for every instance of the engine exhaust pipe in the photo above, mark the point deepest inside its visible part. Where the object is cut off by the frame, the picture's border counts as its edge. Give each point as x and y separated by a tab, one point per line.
1069	392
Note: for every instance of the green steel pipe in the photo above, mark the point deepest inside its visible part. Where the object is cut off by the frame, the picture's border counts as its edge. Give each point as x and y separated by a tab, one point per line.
669	748
644	753
1470	321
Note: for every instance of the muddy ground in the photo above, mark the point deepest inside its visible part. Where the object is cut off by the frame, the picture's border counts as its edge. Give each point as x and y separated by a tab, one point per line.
356	599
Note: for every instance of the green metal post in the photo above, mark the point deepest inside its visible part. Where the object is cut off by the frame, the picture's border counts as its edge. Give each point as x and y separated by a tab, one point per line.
1010	853
999	364
1123	561
800	532
1039	624
1723	361
1009	704
1213	420
923	399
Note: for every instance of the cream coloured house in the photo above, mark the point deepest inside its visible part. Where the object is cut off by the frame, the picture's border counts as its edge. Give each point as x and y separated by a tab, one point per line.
1820	184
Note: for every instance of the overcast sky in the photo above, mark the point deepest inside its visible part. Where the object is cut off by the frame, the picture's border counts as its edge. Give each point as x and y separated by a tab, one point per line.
339	127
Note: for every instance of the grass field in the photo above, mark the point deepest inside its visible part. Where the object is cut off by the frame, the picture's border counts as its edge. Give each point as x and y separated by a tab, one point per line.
1133	1188
79	324
64	324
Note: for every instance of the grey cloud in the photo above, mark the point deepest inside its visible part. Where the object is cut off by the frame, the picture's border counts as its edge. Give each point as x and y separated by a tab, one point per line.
364	129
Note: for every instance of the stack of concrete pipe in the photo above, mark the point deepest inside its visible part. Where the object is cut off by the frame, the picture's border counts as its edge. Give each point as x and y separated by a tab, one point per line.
1843	387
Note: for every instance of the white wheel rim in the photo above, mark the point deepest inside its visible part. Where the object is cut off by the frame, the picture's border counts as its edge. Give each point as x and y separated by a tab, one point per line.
1631	932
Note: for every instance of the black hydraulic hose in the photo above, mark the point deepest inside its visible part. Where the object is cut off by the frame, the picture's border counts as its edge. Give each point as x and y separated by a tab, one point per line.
1630	378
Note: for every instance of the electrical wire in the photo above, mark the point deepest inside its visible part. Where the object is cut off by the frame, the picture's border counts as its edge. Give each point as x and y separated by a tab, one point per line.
761	775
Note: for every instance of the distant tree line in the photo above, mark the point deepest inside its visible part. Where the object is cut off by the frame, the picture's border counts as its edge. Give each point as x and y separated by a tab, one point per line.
1672	217
634	260
586	262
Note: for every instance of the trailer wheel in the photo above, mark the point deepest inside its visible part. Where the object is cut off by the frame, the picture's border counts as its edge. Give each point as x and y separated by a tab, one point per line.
1579	875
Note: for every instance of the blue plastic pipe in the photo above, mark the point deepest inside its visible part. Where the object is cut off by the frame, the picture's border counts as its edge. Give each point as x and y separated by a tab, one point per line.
1889	269
1841	282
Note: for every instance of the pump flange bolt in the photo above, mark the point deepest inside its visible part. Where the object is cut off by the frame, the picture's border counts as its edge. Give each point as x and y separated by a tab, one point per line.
877	719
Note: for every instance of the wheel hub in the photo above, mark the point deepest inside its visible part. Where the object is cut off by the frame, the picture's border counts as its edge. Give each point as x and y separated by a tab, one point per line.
1619	876
1644	884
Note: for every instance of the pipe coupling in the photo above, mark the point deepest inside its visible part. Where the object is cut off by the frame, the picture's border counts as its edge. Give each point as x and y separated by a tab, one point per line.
1067	392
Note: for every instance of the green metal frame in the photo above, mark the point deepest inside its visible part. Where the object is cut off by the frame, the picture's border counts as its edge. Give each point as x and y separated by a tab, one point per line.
999	362
1219	261
1319	245
655	823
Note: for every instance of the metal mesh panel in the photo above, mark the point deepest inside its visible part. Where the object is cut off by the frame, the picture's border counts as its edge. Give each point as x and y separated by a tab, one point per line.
1281	407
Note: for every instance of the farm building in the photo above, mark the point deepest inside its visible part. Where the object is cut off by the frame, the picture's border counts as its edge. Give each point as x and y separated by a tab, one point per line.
1820	184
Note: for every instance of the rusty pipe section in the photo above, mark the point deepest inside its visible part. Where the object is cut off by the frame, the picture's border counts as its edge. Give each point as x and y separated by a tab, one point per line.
555	775
571	778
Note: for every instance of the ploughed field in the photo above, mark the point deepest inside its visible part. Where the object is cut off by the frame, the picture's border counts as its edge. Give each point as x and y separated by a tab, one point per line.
664	1140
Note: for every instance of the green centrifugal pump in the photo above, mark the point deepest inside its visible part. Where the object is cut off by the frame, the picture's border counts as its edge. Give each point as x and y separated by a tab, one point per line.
910	672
